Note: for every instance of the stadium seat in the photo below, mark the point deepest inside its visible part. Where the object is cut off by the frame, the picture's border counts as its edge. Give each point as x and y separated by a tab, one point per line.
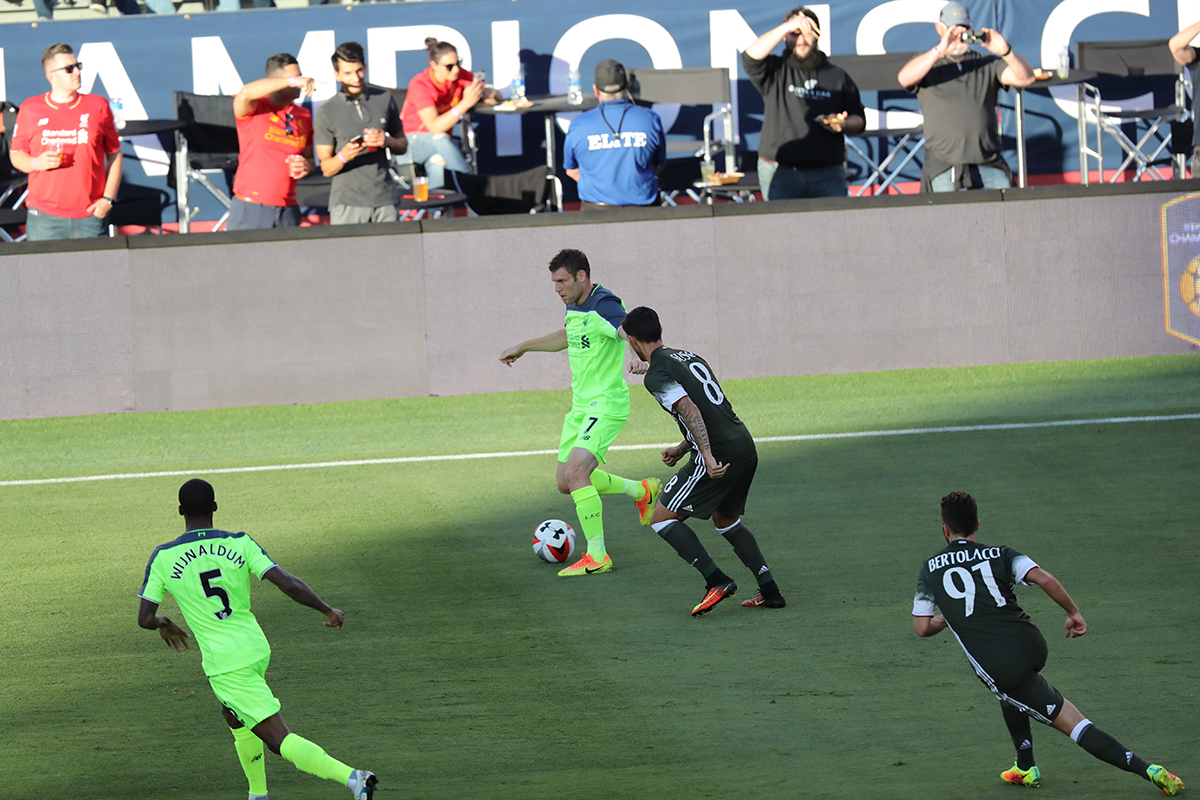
1133	59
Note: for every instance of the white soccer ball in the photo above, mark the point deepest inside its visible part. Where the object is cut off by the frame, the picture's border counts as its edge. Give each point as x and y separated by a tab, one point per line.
554	541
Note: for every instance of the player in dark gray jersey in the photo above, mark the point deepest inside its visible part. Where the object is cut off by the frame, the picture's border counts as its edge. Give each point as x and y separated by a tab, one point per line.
971	584
716	481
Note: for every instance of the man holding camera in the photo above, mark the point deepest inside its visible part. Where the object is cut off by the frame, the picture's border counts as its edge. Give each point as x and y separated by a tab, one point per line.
957	88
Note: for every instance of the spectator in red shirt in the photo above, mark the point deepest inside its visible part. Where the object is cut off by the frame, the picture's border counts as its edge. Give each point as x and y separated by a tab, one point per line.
67	142
275	147
437	99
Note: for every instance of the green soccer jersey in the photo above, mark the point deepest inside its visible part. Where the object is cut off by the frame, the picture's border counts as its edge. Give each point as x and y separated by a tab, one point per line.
676	374
597	354
208	572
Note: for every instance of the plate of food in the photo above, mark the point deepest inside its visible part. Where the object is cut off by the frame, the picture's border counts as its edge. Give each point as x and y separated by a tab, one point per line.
1043	74
725	178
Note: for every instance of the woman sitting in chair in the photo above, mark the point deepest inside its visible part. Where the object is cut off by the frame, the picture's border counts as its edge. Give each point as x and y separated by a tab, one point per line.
437	99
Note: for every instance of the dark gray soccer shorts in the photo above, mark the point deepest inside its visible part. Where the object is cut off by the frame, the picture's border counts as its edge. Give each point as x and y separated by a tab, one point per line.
691	493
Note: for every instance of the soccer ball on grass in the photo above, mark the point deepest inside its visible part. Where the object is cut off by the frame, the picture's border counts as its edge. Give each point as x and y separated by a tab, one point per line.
554	541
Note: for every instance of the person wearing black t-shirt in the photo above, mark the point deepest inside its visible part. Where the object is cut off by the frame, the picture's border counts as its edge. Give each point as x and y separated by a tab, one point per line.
808	104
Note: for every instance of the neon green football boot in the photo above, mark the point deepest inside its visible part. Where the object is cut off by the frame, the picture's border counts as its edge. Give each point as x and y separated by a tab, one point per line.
1022	777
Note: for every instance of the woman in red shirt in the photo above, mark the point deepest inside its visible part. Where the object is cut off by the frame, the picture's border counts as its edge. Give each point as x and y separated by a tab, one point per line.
437	99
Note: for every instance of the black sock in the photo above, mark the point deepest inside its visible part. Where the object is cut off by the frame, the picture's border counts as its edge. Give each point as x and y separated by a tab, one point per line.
687	544
1022	737
1106	748
746	548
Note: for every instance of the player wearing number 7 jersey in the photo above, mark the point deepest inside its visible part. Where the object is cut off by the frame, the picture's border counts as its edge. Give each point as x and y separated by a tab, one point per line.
971	584
717	480
594	341
208	573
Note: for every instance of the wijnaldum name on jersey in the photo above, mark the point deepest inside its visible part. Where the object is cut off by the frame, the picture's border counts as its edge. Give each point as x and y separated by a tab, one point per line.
219	550
962	557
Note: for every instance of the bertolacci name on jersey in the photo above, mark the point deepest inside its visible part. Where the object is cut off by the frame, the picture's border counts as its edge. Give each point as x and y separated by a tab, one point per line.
963	556
219	550
605	141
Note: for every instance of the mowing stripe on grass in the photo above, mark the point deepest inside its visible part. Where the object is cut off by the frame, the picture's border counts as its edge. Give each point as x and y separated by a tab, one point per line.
805	437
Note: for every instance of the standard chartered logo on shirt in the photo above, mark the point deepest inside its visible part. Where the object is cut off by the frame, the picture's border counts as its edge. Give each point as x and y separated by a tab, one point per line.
605	141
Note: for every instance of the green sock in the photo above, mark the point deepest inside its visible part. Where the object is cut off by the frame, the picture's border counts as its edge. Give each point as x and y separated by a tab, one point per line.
615	484
250	752
310	758
591	519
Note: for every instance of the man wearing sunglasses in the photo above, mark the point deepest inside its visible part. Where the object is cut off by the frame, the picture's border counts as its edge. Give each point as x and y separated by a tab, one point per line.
274	147
68	143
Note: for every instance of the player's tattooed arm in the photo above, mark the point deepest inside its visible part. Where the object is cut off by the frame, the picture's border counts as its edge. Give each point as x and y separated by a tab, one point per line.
694	421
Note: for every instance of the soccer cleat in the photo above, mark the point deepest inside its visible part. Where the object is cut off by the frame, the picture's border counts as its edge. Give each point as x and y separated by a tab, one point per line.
587	566
645	506
1022	777
758	601
1164	780
714	595
362	783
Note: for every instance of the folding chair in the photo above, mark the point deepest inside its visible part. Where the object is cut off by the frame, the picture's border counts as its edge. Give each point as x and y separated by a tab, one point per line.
207	143
137	205
1143	58
877	73
696	86
527	192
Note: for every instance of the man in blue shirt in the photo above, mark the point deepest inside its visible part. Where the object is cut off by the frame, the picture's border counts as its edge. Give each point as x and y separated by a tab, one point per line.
614	151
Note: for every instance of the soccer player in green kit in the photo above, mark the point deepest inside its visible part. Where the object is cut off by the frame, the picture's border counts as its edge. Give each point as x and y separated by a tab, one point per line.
208	572
594	342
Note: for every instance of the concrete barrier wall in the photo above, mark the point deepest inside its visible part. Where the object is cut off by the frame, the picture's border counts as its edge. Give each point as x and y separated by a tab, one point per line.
323	315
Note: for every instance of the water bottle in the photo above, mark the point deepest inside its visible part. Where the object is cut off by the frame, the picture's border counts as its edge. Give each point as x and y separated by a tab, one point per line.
574	88
118	112
518	83
1064	62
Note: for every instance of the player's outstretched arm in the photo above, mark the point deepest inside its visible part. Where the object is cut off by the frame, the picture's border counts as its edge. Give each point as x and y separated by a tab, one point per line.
171	633
550	343
299	591
1076	626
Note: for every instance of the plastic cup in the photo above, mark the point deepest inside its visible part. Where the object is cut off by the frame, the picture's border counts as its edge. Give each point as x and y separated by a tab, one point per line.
707	168
421	189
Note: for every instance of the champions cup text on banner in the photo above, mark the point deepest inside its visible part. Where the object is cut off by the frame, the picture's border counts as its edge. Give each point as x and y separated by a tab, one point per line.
142	60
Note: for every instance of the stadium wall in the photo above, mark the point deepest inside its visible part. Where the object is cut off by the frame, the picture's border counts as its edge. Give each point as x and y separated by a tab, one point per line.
804	287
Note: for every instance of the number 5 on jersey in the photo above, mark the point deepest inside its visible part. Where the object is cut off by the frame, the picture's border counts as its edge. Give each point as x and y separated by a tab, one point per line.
217	592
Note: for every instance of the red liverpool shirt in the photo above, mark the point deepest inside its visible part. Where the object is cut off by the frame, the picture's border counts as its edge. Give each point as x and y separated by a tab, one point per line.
84	132
265	139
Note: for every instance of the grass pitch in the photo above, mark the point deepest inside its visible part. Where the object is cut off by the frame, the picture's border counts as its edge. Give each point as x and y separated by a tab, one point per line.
468	669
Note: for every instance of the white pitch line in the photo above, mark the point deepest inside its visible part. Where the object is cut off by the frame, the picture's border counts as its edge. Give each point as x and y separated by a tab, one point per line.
806	437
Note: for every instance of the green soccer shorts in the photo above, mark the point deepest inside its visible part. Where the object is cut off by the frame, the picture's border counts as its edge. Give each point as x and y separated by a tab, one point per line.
590	430
245	692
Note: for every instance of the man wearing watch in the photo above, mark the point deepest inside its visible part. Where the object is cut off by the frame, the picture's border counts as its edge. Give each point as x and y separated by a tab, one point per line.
68	143
957	88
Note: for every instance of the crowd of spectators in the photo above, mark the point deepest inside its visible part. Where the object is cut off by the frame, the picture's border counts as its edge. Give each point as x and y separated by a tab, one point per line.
68	144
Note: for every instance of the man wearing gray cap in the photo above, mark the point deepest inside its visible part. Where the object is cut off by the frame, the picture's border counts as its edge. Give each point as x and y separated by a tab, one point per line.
615	150
957	88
